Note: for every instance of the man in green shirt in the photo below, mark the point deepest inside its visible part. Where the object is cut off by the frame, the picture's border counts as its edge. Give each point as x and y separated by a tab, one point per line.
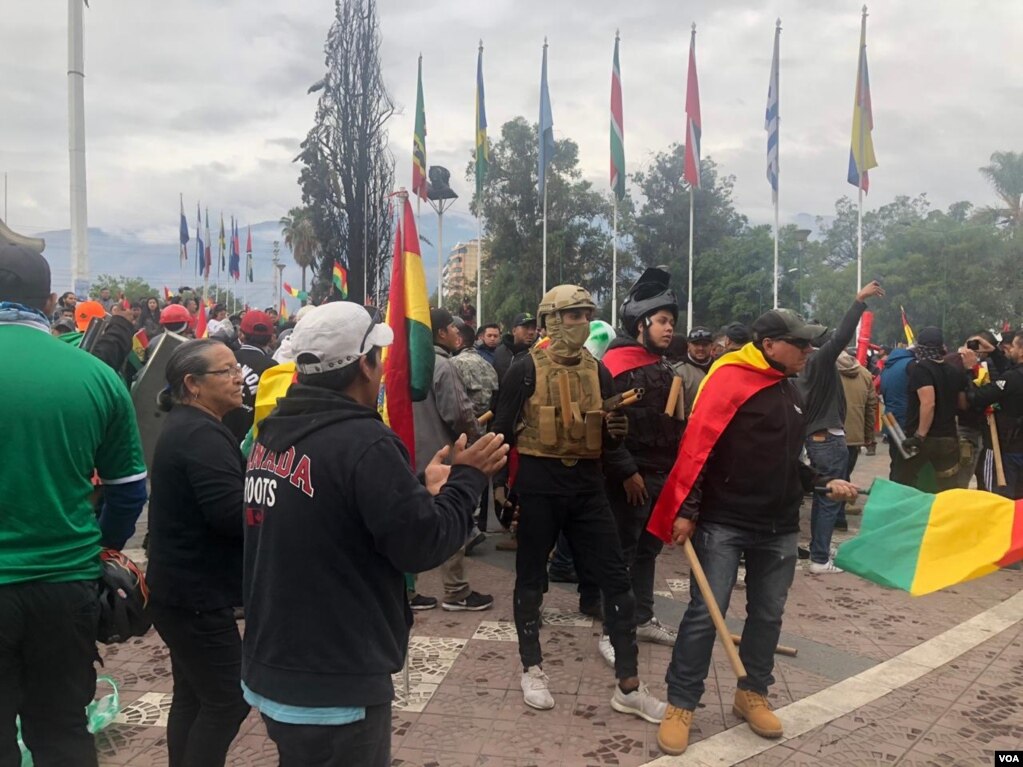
66	418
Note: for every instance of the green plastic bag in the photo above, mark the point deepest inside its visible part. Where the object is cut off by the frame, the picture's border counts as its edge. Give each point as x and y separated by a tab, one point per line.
99	713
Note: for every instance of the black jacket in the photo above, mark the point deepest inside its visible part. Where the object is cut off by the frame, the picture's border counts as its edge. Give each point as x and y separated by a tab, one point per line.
653	437
195	514
753	478
254	362
1007	393
334	516
506	351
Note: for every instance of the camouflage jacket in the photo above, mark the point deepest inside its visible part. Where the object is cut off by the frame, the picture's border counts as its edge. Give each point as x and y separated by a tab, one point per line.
479	378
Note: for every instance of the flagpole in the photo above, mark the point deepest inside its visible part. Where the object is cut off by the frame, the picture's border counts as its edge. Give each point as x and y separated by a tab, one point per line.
862	158
776	251
479	266
181	251
365	240
859	238
689	308
545	234
614	263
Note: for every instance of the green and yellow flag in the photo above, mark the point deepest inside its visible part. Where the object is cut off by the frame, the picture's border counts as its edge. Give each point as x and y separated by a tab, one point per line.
419	185
482	150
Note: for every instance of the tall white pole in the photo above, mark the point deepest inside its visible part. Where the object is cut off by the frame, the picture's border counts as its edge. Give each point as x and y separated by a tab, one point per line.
479	268
440	254
859	240
775	252
545	236
689	308
76	148
614	265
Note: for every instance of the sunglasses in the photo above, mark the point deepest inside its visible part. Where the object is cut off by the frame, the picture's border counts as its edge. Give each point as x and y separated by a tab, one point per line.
374	320
799	343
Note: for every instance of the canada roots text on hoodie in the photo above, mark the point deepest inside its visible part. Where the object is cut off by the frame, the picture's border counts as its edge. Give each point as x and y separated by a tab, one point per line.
333	516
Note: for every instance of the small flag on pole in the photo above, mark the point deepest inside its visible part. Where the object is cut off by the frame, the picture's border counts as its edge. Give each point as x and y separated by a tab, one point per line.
183	232
545	128
772	117
910	338
283	313
419	185
201	329
248	256
233	264
167	295
295	292
339	277
482	149
200	247
209	244
223	244
861	150
617	129
694	125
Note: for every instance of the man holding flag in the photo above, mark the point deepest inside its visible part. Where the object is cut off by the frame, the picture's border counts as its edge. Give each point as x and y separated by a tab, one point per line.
736	489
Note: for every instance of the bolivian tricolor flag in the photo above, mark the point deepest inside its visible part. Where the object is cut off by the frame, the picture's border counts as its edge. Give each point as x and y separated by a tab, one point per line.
408	362
732	379
339	276
921	543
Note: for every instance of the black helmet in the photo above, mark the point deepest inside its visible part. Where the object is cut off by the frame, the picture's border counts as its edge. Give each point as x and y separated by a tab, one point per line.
123	599
650	294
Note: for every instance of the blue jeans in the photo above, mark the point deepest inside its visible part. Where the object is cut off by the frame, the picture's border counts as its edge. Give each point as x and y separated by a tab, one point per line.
770	567
830	459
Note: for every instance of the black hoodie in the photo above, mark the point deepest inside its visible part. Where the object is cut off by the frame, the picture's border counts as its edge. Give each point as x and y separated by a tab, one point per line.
505	352
334	515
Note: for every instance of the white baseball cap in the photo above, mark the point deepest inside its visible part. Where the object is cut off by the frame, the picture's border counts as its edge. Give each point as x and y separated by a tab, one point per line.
336	335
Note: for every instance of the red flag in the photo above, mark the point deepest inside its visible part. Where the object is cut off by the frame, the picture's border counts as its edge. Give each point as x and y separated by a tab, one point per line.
694	125
863	341
200	324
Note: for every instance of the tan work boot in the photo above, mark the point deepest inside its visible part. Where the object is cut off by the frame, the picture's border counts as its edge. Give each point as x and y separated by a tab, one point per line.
754	708
673	732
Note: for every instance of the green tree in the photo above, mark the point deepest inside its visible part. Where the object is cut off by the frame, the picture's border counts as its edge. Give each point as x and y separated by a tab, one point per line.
133	288
299	234
1006	176
578	225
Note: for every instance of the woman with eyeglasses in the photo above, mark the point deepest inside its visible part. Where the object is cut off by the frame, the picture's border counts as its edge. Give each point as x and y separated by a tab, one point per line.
195	551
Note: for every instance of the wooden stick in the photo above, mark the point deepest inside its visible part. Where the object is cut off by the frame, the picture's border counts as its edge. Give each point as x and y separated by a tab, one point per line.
715	614
566	401
997	450
486	417
781	649
676	387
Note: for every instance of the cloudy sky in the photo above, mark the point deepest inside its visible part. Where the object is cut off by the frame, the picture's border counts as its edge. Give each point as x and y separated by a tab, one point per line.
208	97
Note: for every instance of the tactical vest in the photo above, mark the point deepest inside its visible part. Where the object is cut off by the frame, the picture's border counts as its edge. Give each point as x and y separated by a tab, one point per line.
542	430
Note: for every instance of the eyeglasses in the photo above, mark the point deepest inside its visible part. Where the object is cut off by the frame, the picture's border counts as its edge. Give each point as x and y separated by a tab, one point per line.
230	372
799	343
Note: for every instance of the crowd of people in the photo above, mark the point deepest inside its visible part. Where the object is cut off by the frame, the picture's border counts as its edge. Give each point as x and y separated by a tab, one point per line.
276	491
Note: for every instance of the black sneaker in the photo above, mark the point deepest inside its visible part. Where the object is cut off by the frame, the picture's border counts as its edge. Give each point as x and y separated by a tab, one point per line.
419	602
475	541
472	603
802	552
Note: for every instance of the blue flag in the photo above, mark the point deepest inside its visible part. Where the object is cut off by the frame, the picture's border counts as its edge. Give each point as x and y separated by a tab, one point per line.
545	128
771	118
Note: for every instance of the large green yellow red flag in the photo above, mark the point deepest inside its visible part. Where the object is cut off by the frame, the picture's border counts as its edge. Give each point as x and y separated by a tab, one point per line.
408	362
920	543
731	380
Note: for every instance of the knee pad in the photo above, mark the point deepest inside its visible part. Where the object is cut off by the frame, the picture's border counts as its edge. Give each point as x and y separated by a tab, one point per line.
622	606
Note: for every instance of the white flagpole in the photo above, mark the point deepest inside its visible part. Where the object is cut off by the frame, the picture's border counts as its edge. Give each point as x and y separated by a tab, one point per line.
76	147
862	159
614	264
479	266
776	251
545	234
689	308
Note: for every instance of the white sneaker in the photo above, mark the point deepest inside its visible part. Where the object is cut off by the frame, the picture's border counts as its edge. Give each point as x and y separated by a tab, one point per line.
825	568
534	689
607	650
655	631
639	703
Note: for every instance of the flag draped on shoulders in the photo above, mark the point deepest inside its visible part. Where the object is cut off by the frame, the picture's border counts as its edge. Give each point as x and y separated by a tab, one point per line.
920	543
694	123
622	359
861	150
409	360
731	381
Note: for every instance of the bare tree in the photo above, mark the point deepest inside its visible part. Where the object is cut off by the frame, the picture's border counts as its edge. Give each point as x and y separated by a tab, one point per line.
348	170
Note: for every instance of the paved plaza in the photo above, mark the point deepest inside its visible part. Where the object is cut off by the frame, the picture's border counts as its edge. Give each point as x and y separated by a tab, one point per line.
881	678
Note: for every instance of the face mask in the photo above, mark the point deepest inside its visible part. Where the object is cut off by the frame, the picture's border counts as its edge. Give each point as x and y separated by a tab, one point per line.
566	342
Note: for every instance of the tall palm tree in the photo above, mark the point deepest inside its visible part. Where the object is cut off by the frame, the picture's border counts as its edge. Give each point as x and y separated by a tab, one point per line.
300	237
1006	175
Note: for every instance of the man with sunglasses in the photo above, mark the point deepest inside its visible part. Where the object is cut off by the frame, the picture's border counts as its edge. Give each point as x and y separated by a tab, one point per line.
821	386
736	490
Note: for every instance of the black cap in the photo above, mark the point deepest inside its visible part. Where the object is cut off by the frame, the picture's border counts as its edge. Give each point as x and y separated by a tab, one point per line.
930	336
736	332
700	335
785	322
524	319
440	319
24	276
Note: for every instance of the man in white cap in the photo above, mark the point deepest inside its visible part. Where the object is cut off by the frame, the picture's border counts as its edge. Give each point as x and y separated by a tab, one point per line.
334	515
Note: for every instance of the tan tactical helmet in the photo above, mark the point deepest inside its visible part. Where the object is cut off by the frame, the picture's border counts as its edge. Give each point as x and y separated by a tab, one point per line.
563	297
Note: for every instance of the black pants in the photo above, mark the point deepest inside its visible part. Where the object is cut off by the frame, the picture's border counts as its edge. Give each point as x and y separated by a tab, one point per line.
639	547
359	744
47	650
206	662
942	453
590	528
